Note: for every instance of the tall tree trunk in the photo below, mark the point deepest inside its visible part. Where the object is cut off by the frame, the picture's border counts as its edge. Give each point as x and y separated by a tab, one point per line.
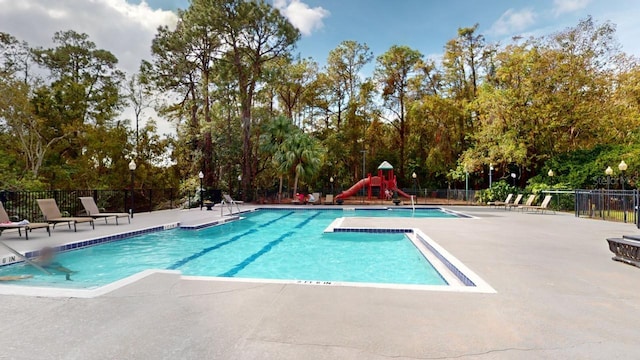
247	154
295	184
402	136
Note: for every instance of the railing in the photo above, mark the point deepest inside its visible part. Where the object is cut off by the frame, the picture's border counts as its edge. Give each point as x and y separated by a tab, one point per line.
23	204
562	200
613	205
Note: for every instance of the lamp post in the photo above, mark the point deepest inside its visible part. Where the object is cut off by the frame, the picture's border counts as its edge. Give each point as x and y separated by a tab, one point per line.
490	174
331	182
132	168
466	184
513	176
608	172
415	177
364	157
201	176
550	174
623	167
239	184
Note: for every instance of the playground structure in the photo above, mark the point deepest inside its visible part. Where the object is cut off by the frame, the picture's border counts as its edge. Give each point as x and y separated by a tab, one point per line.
387	182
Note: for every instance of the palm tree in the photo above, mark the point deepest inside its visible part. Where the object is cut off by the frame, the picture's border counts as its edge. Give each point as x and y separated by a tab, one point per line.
276	132
301	154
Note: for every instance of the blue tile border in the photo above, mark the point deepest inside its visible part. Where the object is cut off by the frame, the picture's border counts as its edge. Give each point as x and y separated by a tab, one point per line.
209	224
373	230
348	209
97	241
459	274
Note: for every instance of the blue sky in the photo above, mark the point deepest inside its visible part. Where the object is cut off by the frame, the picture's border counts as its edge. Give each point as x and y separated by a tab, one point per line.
427	25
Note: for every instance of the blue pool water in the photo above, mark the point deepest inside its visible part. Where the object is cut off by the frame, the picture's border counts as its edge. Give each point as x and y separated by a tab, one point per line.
269	244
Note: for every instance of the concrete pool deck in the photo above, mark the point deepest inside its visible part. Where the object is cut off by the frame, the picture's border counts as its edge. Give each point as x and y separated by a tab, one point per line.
559	295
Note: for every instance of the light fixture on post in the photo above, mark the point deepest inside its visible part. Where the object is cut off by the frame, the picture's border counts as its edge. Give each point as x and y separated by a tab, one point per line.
551	174
364	158
132	168
331	182
201	177
239	185
490	174
513	176
466	184
623	167
608	172
415	177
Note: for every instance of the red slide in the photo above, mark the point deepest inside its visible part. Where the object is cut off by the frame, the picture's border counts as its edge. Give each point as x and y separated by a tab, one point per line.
362	183
354	189
402	193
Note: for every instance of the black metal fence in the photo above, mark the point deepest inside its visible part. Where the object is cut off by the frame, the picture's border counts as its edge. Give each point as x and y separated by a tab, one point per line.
613	205
23	204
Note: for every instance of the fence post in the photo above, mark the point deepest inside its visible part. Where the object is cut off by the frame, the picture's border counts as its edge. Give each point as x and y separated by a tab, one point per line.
637	207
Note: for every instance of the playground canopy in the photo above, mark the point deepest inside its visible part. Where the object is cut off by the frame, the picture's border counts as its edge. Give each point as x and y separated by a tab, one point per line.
385	166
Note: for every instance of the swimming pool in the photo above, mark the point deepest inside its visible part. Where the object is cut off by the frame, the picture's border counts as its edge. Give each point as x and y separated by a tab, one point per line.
401	212
266	244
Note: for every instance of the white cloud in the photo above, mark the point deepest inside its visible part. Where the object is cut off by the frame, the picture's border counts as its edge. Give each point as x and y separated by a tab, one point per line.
567	6
512	21
303	17
115	25
124	29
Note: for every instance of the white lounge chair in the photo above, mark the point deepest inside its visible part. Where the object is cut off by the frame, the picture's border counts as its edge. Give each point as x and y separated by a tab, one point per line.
501	203
515	203
528	203
543	206
316	196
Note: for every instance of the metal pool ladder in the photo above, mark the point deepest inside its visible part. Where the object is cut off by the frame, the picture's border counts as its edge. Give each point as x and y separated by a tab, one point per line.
25	258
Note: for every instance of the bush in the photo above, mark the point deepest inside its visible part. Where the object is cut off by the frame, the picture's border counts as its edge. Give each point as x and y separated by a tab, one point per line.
559	201
498	192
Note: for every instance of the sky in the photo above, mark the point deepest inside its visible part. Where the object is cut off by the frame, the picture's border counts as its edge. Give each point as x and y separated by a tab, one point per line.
126	27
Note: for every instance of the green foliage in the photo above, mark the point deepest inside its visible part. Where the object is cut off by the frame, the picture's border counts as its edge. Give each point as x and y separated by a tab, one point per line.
498	192
584	169
244	105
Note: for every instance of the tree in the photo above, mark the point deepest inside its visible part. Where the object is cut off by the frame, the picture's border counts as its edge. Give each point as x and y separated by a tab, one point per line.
184	60
254	34
294	80
393	72
300	154
138	98
271	142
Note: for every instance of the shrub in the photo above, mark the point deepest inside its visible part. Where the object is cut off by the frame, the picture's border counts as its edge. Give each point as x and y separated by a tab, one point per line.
498	192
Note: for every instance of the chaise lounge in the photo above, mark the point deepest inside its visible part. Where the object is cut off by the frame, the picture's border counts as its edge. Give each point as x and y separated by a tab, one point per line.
6	224
92	210
528	203
52	215
501	203
542	207
515	203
